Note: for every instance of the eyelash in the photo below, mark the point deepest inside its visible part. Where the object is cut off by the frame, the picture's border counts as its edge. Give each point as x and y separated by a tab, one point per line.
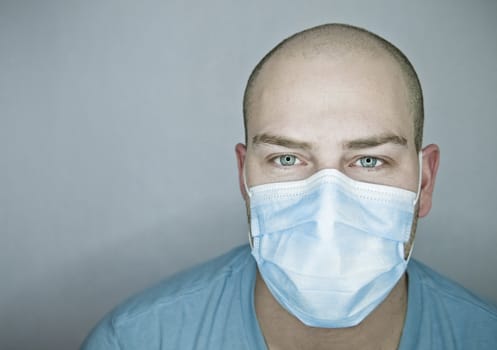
382	161
274	160
299	162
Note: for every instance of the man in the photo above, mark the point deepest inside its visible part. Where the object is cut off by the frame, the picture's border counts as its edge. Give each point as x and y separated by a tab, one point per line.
334	178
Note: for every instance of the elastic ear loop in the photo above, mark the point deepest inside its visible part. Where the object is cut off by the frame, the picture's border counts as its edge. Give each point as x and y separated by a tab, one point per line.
420	178
244	175
247	191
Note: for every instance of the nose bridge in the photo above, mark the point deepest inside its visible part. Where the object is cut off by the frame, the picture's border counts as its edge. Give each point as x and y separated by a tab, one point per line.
327	204
328	158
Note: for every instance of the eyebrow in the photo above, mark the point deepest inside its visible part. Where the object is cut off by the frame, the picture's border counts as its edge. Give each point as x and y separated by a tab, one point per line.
368	142
280	141
375	141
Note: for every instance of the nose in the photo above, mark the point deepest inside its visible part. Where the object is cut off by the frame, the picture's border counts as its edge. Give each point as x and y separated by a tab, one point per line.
330	160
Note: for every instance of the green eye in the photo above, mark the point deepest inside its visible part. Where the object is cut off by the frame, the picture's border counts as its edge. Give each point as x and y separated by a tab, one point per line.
368	162
287	159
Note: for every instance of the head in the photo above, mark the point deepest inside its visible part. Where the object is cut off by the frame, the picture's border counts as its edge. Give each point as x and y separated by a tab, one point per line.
338	97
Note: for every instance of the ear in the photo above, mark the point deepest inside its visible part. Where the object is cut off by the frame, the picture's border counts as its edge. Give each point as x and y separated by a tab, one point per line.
431	159
241	151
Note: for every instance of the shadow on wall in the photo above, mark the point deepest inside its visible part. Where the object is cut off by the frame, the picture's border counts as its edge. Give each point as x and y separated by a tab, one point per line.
57	311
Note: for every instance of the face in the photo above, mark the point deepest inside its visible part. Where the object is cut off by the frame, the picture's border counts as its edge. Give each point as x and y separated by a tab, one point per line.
320	113
351	115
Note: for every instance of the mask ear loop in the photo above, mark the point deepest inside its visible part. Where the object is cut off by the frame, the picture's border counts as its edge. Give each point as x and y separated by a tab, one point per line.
420	176
418	192
247	191
244	175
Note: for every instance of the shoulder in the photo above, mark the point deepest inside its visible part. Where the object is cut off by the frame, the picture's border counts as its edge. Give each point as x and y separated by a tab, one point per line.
186	283
443	314
174	302
444	289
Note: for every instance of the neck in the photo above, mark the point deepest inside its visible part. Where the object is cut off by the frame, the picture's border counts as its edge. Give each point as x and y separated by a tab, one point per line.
380	329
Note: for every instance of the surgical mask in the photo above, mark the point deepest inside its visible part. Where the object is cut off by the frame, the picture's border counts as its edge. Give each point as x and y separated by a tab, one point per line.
329	248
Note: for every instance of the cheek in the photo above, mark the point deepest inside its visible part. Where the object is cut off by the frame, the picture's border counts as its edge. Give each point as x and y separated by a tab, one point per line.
394	176
406	181
255	171
262	171
408	175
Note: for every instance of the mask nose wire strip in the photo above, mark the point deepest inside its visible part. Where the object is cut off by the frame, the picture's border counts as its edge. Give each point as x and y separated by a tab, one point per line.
420	176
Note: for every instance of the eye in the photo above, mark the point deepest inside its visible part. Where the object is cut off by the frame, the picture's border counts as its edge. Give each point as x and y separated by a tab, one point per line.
287	160
369	162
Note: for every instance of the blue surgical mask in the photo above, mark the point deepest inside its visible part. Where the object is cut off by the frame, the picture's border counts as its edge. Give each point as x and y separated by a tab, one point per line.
329	248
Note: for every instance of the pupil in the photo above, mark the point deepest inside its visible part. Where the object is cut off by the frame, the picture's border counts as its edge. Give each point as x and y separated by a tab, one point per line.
287	159
368	162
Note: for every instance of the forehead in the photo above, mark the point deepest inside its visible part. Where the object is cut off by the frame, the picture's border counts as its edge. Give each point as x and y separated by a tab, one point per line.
331	97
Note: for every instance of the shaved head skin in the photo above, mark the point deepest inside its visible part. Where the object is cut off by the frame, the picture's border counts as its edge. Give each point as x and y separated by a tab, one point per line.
338	42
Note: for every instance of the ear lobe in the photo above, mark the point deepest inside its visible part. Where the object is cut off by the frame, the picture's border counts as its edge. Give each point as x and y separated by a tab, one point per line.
241	151
431	160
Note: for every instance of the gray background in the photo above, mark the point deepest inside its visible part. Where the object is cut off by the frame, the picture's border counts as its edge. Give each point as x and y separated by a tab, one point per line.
118	121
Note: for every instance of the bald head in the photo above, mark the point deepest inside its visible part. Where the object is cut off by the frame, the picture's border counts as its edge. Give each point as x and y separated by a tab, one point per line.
339	42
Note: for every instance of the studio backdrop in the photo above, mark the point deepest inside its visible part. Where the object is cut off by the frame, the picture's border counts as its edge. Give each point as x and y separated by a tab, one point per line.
118	121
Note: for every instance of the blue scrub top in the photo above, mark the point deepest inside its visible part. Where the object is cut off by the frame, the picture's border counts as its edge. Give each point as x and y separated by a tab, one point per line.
212	307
